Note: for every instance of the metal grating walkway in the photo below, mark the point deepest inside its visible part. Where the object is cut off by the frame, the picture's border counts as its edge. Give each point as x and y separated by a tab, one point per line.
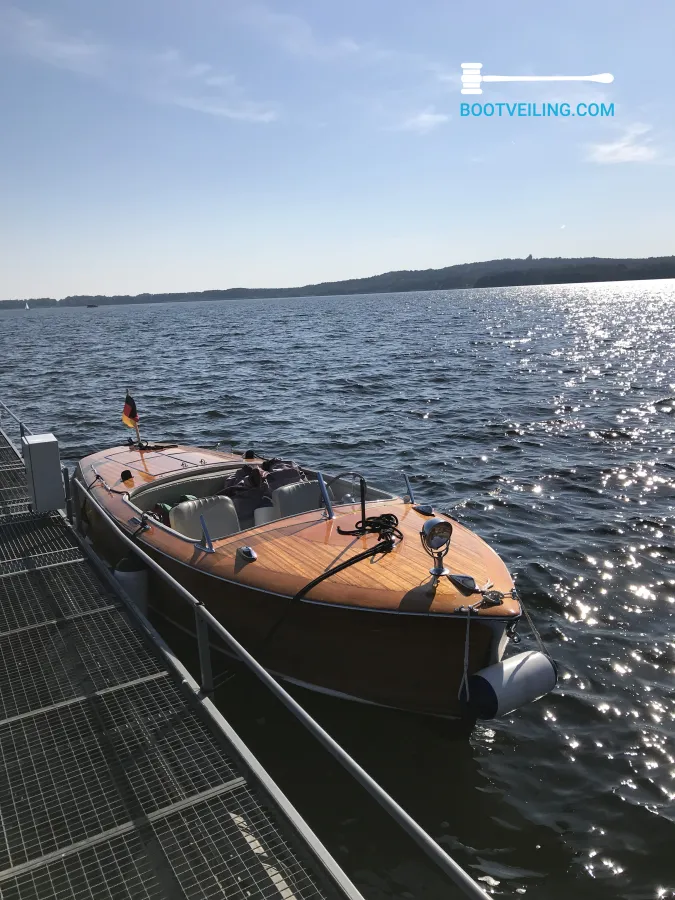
113	784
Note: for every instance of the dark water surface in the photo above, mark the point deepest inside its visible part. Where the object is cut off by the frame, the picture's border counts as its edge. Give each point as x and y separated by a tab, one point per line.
544	418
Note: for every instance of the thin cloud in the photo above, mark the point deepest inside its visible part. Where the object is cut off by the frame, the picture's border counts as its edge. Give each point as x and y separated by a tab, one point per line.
161	77
442	74
169	77
412	79
424	122
297	37
35	38
632	146
244	112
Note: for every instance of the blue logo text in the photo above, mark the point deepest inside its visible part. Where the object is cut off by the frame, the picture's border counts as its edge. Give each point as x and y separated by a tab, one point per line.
536	110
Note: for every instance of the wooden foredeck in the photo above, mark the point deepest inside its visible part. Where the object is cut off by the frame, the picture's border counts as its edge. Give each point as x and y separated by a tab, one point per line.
291	552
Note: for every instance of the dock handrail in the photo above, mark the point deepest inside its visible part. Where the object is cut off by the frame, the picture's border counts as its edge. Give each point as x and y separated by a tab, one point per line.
23	428
204	619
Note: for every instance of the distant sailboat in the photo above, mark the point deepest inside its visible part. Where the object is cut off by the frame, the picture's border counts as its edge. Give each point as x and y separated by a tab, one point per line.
27	306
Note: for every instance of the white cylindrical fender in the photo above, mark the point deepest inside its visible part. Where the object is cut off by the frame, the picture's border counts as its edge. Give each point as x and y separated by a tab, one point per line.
133	578
507	685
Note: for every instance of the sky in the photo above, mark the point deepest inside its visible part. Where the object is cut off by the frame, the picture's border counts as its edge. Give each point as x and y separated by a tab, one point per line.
179	145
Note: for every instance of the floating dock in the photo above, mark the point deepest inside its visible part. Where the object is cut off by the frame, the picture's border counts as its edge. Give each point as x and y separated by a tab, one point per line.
117	779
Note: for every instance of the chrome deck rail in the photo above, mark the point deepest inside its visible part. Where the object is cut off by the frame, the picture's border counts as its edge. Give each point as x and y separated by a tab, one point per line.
205	621
23	428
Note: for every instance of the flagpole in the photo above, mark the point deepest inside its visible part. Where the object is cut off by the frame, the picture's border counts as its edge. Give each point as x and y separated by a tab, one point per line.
138	433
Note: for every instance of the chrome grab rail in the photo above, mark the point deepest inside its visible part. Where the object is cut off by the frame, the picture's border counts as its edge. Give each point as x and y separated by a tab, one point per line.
324	496
411	495
205	544
205	620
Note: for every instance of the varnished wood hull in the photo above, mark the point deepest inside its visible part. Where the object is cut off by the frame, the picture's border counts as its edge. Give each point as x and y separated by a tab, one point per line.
402	661
379	631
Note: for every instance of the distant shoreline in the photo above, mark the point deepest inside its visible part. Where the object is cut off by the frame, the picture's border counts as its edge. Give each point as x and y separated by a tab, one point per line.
491	273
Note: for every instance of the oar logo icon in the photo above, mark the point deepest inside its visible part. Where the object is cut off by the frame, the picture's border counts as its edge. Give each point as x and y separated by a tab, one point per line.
472	78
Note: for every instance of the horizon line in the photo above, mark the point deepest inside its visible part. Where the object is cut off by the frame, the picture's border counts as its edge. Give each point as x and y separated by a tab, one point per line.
318	284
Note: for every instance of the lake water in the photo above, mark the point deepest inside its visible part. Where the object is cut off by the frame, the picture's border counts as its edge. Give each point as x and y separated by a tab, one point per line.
543	418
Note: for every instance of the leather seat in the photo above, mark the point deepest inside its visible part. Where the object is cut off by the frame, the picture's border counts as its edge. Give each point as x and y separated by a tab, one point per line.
292	499
201	486
218	512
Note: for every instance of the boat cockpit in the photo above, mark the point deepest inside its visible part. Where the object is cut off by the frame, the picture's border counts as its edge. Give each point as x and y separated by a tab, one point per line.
235	497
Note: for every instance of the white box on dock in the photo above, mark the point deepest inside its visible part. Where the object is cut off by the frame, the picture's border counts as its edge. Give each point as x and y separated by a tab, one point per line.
43	472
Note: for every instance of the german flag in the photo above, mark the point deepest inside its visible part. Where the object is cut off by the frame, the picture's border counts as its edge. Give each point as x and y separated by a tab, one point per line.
130	414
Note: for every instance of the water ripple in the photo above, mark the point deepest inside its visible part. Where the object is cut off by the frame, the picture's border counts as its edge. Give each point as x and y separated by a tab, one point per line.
544	418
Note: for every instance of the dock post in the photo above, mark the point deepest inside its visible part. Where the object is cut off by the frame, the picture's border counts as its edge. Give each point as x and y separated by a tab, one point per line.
202	630
75	499
68	491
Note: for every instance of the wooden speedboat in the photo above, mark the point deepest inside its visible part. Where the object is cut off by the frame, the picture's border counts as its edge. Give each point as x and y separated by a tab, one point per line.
410	610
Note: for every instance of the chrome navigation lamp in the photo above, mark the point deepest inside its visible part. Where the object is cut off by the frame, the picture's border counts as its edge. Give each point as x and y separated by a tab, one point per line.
436	534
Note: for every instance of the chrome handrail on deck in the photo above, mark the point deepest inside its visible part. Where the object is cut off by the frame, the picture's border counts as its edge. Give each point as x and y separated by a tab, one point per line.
409	487
205	620
324	496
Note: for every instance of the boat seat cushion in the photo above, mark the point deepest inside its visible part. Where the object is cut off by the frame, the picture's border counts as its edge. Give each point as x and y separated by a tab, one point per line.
218	512
292	499
202	486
